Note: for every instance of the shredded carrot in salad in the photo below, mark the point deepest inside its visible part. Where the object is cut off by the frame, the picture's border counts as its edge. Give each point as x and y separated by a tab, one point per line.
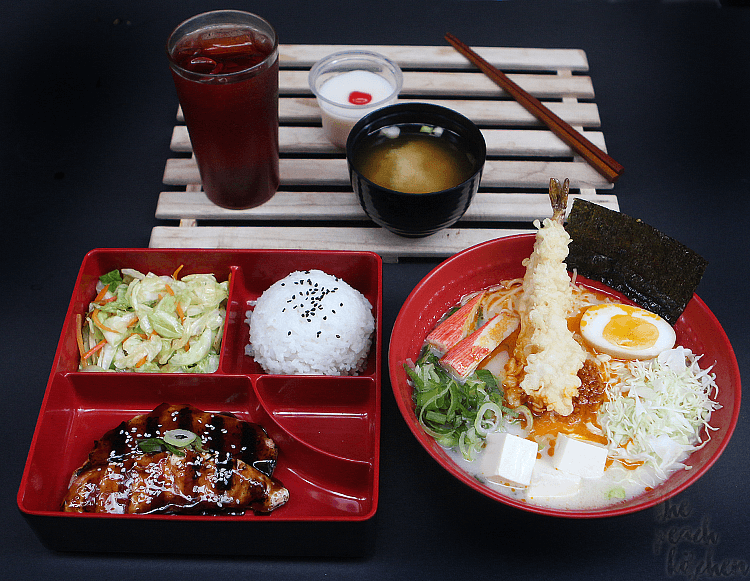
94	349
153	323
101	294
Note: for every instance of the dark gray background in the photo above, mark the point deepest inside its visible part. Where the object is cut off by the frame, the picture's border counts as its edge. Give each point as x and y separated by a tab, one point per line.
87	108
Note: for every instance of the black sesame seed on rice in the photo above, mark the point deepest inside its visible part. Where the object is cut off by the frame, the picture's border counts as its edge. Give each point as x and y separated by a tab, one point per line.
306	302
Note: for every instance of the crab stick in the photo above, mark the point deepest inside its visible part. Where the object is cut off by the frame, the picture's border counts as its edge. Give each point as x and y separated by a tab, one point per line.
466	355
456	327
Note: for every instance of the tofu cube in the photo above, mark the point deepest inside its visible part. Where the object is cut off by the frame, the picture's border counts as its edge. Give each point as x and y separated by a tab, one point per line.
584	459
549	482
508	459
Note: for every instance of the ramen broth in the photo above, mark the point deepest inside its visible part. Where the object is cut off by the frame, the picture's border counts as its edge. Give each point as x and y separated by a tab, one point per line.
596	493
622	480
414	159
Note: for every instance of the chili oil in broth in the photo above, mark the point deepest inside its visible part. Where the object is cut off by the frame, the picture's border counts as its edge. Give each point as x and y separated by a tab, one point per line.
547	426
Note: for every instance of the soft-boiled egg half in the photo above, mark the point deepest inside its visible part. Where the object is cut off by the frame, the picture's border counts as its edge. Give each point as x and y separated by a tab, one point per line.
626	332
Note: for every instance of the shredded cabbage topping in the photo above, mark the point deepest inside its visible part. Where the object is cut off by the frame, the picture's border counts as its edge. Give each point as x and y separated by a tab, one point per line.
151	323
656	414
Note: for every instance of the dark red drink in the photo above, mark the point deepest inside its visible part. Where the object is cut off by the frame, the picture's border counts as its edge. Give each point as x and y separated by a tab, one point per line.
226	71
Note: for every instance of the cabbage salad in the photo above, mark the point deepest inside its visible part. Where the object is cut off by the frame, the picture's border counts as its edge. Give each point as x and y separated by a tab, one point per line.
150	323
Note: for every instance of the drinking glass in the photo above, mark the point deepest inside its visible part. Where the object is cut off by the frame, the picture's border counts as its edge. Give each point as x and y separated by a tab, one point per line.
225	66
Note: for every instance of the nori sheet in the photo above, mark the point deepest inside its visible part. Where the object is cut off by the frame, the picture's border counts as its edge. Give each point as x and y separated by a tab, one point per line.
655	271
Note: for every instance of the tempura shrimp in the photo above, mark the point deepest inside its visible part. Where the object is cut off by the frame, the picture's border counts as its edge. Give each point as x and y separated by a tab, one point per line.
547	358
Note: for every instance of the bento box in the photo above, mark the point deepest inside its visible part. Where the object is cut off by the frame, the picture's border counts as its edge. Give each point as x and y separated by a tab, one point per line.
327	428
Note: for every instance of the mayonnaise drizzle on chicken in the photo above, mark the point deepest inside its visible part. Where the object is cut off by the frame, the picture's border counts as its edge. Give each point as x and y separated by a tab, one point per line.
547	357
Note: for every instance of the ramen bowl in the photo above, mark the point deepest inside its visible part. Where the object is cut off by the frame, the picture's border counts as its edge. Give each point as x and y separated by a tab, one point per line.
486	264
415	167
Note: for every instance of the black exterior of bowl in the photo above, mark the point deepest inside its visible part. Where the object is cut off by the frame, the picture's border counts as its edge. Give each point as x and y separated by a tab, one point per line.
416	215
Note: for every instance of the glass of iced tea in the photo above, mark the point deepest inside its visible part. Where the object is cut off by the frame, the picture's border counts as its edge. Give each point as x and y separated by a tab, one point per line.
225	66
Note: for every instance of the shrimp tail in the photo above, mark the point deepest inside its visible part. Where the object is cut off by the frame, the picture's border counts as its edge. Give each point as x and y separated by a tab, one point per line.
558	196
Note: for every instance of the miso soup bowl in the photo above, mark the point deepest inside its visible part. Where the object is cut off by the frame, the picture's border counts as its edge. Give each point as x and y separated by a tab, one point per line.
409	214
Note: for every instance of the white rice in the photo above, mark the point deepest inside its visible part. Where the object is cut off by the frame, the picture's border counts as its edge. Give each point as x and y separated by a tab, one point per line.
311	323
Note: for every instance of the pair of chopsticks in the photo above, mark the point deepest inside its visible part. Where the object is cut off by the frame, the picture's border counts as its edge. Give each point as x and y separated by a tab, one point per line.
602	162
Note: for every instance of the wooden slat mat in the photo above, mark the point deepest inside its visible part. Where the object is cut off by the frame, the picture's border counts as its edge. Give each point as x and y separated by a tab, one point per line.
315	207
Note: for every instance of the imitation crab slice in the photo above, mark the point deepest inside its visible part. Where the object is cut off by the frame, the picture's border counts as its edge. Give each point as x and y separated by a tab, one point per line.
464	357
456	327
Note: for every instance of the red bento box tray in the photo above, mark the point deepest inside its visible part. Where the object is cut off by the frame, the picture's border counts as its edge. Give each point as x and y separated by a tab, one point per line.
327	428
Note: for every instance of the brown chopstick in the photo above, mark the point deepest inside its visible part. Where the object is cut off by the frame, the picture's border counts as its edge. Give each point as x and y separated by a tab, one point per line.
602	162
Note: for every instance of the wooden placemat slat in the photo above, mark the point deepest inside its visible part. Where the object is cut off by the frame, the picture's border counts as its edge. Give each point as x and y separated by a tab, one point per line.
315	207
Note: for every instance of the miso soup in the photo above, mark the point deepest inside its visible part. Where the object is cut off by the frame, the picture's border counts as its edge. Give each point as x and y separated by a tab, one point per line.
414	158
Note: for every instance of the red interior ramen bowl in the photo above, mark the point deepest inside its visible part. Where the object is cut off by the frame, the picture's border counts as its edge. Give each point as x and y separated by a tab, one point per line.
488	263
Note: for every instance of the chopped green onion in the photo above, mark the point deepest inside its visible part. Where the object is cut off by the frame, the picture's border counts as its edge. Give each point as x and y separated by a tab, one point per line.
616	492
151	445
455	414
179	438
522	412
174	441
483	424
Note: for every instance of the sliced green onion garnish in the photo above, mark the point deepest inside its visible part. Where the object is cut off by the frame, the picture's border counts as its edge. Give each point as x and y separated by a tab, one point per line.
488	419
179	438
151	445
455	414
174	441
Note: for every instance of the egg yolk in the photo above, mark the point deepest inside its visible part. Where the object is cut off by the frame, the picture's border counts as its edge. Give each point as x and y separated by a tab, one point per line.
626	331
631	332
